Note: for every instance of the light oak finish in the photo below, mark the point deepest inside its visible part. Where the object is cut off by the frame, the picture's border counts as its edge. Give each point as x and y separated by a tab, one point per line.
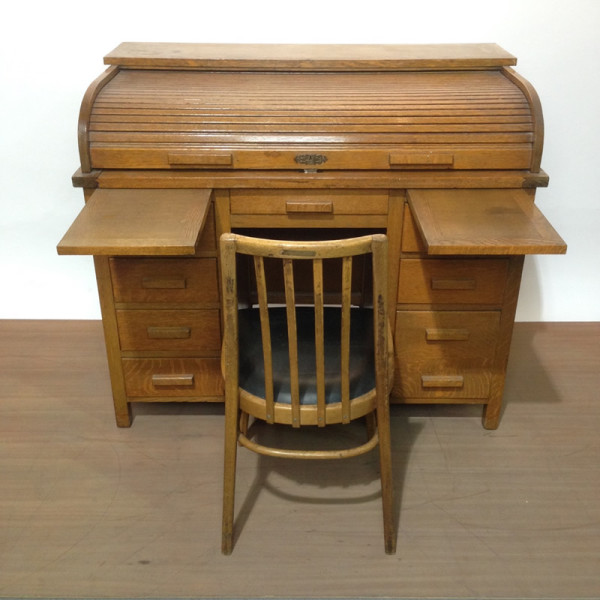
284	202
320	393
153	379
445	354
165	280
254	120
160	314
269	179
452	281
138	222
437	146
166	329
297	57
92	511
483	222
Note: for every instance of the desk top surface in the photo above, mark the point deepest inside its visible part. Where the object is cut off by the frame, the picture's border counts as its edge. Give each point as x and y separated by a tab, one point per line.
320	57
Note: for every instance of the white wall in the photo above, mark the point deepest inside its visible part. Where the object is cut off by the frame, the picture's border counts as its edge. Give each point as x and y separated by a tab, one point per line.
50	52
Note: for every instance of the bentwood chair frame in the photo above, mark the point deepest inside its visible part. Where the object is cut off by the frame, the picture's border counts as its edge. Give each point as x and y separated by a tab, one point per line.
239	402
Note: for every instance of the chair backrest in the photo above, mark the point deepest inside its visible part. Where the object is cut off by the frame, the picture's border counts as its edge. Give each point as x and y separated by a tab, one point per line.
289	253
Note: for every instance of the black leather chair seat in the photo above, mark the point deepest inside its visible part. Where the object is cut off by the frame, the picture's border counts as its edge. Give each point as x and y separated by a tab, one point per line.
362	363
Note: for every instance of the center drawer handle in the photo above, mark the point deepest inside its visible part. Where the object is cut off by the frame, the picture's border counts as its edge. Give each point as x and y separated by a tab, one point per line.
169	333
309	207
453	284
164	283
442	381
179	379
446	335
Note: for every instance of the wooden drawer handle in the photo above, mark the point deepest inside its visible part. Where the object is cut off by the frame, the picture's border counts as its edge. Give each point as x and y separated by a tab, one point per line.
453	284
164	283
169	333
309	207
189	159
446	335
424	159
181	379
442	381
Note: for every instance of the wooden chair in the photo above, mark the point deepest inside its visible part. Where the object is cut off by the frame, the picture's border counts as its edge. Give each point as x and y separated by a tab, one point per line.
305	365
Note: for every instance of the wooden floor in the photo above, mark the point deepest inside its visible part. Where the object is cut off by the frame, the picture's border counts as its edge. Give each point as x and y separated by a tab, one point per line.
89	510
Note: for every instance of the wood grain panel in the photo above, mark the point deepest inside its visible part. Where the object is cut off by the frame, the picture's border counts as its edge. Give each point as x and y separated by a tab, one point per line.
411	238
137	330
445	353
257	120
278	202
173	377
165	280
452	281
482	222
312	57
138	222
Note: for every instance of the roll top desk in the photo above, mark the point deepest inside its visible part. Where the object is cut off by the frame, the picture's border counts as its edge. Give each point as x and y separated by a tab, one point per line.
437	146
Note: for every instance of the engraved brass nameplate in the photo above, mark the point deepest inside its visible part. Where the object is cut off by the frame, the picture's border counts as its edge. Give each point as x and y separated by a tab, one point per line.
310	159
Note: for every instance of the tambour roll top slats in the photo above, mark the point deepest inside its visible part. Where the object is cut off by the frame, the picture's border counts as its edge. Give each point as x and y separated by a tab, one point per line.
448	119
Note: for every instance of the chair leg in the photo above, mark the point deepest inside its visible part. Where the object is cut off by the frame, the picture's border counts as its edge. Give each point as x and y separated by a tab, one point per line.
371	423
385	467
244	418
231	439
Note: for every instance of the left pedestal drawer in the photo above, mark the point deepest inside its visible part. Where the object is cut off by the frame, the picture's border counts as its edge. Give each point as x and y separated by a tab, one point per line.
171	330
172	377
170	280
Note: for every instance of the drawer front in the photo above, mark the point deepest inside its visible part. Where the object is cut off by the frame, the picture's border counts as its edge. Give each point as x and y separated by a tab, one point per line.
170	330
446	354
185	377
165	280
452	281
299	203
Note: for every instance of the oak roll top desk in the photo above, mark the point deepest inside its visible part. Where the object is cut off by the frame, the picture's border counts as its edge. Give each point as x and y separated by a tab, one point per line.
437	146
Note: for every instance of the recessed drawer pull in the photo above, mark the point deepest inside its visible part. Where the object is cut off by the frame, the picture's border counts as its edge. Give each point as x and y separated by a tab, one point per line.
421	159
164	283
189	159
292	207
169	333
181	379
446	335
442	381
453	284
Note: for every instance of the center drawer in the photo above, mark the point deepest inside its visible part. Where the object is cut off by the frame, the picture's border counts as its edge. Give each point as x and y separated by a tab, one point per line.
170	330
290	202
313	208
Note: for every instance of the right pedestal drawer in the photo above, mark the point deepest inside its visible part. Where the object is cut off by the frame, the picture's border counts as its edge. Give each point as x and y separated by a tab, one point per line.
452	281
444	354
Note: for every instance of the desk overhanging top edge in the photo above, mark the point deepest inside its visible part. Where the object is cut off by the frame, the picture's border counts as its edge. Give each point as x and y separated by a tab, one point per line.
309	57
